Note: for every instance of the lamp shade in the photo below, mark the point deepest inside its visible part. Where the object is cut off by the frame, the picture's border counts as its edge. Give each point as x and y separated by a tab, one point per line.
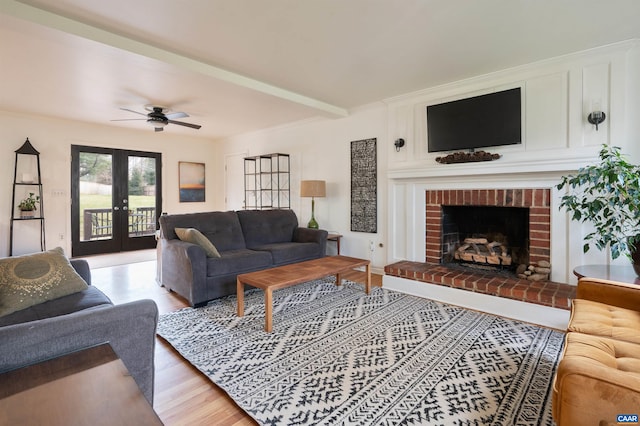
312	188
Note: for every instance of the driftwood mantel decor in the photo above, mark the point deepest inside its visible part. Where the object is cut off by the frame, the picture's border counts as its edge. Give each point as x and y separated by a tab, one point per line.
467	157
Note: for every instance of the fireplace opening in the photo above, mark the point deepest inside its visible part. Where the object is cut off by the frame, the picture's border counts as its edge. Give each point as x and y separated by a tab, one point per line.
485	236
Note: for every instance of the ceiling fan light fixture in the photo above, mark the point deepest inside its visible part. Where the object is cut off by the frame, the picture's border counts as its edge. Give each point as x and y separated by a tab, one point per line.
157	118
157	123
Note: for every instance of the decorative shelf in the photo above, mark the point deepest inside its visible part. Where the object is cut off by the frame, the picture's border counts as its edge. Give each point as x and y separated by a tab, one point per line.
23	153
267	182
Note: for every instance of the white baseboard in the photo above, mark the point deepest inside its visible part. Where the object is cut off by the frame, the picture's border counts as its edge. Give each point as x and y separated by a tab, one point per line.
528	312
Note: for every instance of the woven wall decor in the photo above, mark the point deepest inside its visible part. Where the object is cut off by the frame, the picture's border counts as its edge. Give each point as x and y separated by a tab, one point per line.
364	186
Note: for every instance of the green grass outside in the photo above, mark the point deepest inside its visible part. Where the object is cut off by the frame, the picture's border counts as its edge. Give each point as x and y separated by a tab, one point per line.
94	201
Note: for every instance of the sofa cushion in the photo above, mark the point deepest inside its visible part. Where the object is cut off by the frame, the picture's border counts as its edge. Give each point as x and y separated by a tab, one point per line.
262	227
89	298
599	319
35	278
597	379
238	262
194	236
283	253
221	228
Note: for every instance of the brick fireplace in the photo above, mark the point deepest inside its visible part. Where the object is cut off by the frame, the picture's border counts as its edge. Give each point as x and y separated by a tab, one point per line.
537	200
538	203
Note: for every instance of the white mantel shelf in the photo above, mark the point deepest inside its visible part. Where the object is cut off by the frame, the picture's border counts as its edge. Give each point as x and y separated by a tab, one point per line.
496	167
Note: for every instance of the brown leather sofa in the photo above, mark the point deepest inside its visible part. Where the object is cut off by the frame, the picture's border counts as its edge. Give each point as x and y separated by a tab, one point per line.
598	377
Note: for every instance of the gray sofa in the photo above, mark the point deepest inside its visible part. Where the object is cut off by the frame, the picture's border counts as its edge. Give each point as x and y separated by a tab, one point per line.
79	321
247	240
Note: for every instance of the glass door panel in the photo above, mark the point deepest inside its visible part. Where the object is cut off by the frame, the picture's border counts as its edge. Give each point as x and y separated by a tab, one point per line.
141	196
96	196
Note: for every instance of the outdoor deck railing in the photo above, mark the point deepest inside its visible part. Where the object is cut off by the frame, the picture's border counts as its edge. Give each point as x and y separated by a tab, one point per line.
142	221
98	223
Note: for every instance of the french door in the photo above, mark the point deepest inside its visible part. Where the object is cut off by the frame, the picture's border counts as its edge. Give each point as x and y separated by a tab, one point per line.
115	199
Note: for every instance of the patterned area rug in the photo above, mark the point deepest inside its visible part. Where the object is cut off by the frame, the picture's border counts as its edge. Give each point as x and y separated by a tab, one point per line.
338	356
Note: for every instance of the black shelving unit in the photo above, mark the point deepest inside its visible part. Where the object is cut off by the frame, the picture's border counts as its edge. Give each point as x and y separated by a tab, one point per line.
267	182
26	186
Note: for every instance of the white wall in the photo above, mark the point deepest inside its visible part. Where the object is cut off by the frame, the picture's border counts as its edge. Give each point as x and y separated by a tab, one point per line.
53	139
320	150
558	94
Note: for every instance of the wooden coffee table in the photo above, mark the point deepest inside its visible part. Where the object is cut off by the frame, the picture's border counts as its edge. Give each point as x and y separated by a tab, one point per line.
297	273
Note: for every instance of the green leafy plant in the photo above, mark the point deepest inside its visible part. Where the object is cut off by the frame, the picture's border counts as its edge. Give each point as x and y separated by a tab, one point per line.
29	203
608	196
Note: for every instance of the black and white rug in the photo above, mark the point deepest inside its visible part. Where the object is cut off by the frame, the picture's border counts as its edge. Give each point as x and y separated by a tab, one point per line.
338	356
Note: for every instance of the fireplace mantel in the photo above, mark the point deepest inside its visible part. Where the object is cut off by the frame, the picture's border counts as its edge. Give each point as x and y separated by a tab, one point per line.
499	168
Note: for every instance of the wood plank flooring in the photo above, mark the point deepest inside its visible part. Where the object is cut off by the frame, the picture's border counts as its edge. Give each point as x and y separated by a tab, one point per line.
183	395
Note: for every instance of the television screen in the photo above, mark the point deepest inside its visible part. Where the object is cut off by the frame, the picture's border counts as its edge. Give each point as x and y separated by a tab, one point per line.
481	121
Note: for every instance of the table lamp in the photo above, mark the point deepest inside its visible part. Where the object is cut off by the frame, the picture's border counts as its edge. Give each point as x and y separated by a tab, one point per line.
312	188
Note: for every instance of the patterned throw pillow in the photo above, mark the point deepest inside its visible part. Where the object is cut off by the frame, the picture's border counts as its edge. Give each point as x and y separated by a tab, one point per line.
35	278
192	235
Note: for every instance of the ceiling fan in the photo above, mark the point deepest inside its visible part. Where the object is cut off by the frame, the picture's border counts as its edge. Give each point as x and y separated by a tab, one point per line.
159	116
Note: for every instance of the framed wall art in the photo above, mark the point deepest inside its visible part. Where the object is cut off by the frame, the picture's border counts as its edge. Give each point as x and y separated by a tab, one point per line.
364	186
191	182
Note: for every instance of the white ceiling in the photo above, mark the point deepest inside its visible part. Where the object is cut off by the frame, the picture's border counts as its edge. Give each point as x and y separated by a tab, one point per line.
242	65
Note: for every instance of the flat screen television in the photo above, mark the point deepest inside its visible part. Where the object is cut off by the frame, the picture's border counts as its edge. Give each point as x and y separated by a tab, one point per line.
477	122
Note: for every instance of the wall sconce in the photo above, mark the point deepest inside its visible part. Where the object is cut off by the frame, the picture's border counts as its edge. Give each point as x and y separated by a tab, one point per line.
399	143
596	117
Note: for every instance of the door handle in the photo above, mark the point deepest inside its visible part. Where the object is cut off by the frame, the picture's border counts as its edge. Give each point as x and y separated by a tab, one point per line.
125	208
116	208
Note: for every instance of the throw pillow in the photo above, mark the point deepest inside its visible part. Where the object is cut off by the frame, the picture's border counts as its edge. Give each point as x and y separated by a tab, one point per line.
35	278
192	235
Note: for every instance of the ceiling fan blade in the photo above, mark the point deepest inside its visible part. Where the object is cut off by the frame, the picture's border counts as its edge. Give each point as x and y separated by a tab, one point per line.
182	123
175	115
135	112
129	119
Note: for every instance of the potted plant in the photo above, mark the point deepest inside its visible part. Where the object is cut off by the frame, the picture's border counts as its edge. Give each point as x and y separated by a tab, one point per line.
607	195
28	205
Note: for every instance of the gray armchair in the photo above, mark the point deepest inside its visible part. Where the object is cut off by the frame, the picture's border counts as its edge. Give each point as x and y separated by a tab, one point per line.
78	321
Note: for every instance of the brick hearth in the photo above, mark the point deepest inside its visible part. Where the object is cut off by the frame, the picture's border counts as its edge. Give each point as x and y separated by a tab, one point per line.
548	293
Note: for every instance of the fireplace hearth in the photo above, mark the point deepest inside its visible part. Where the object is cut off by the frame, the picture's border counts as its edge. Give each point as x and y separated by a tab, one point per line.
546	293
527	237
416	227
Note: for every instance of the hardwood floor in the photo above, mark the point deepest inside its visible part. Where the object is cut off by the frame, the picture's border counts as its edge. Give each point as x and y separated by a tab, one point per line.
183	395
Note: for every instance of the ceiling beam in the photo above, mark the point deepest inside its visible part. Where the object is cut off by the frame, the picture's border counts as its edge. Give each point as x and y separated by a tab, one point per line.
71	26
